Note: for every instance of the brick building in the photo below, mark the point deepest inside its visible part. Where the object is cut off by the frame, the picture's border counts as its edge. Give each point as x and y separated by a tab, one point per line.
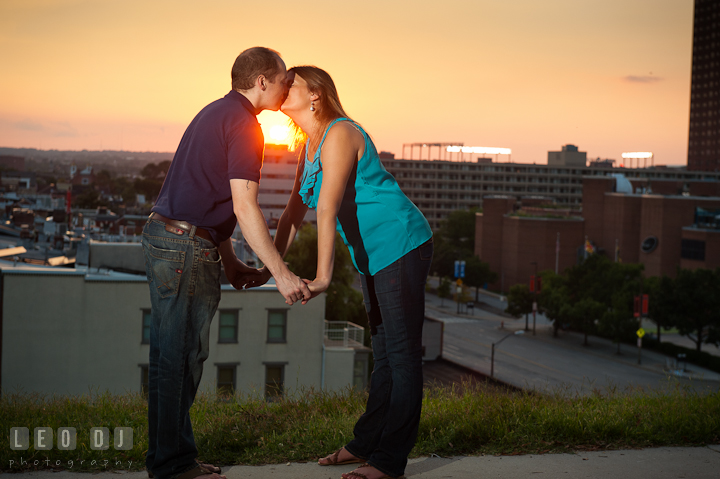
704	133
677	228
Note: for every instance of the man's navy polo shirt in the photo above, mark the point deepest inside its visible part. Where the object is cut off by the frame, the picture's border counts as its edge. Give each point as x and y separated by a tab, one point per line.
223	142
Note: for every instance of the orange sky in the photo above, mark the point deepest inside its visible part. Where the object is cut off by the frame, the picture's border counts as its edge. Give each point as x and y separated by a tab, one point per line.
606	75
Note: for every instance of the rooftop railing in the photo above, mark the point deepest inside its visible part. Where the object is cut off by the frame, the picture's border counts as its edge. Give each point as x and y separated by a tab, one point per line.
344	333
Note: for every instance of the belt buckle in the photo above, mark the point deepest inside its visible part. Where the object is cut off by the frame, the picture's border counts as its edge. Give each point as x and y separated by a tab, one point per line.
174	230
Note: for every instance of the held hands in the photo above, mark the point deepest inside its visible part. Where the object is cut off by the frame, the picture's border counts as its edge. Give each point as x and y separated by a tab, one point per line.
292	288
241	275
263	277
316	287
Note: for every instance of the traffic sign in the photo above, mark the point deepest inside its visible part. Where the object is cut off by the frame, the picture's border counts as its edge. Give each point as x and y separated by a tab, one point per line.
459	269
640	332
459	282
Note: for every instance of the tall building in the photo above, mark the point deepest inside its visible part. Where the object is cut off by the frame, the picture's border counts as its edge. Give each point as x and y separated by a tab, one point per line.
704	138
439	187
568	156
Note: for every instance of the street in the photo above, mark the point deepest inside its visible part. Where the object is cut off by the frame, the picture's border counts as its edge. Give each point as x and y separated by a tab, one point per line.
554	365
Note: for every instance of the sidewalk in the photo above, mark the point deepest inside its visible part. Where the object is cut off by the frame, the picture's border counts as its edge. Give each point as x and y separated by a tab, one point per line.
656	463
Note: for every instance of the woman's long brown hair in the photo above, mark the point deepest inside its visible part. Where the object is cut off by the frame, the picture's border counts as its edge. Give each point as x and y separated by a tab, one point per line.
327	107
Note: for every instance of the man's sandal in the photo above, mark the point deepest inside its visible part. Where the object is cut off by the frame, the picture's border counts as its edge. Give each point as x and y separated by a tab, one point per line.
359	475
197	471
332	459
206	467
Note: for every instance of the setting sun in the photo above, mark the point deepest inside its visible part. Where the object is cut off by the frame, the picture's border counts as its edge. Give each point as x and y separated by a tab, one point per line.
275	127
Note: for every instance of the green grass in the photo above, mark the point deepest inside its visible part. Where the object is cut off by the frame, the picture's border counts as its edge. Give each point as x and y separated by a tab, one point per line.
473	419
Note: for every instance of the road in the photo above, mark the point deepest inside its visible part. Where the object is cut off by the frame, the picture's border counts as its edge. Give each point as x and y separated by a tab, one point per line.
548	364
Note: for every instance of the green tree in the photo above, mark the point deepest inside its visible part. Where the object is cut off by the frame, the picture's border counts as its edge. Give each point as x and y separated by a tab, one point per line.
443	290
584	314
553	299
343	302
454	240
696	307
520	301
88	200
104	181
478	273
594	293
661	291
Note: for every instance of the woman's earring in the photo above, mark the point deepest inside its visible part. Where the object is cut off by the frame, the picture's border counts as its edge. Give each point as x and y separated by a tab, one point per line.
312	106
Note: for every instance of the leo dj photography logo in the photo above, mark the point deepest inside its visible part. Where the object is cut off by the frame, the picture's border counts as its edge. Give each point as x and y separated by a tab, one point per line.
65	439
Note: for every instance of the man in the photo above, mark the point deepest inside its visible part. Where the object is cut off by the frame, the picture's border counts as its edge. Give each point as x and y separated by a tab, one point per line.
212	183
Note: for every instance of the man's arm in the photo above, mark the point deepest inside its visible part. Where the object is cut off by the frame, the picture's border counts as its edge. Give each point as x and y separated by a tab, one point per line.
252	223
288	225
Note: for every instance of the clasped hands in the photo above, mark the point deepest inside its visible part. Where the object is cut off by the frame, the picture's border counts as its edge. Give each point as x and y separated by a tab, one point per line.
292	288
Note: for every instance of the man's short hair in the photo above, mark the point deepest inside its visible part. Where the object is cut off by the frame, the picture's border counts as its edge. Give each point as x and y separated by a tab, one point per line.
252	63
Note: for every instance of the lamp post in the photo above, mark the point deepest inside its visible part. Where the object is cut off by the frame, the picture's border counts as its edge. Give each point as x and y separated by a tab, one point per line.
534	290
492	350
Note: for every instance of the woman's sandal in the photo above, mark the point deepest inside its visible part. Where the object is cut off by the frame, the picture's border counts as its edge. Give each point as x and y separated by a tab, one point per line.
333	459
359	475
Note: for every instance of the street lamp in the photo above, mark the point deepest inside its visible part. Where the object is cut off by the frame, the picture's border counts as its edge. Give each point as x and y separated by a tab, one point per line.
534	291
492	350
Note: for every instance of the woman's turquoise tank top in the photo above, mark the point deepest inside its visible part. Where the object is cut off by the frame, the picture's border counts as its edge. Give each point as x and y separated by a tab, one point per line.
377	222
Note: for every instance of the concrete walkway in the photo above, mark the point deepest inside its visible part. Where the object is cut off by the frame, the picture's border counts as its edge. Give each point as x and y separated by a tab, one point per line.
656	463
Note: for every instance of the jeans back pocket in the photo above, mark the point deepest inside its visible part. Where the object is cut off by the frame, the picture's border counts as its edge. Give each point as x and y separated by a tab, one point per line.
167	268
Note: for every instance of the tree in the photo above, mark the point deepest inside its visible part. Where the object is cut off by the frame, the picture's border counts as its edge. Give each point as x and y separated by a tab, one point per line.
152	179
342	301
662	303
454	240
696	309
594	293
618	322
443	290
552	298
477	273
584	314
88	200
520	301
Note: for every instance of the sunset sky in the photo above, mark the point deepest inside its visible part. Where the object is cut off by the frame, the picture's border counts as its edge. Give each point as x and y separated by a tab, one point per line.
606	75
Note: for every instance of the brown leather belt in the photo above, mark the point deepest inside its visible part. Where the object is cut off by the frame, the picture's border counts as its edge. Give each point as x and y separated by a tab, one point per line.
180	227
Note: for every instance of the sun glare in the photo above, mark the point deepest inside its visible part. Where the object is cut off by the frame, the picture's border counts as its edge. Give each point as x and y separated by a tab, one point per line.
275	127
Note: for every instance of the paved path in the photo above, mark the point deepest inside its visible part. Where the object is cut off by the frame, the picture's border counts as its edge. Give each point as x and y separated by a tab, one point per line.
546	363
656	463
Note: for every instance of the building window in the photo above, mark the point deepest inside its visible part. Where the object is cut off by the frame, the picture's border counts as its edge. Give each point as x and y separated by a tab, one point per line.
228	331
144	380
146	322
274	380
277	326
226	385
692	249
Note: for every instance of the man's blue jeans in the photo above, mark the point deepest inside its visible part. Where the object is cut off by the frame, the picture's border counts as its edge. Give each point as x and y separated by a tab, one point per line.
395	302
184	276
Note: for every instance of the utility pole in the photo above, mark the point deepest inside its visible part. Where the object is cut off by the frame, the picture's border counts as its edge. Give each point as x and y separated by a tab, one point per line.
534	286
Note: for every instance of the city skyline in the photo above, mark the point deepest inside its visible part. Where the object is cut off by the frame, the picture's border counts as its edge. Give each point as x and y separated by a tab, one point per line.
530	76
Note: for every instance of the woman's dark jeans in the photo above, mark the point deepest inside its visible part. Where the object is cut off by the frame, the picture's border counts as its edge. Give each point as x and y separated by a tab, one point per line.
395	302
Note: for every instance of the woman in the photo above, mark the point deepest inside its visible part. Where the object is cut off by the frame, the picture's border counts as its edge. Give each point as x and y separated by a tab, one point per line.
391	245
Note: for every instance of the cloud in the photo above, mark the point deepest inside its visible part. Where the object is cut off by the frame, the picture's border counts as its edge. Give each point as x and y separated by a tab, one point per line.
51	128
642	79
28	125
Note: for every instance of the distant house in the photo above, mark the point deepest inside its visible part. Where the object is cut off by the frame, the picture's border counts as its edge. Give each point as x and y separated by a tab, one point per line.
82	177
69	331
